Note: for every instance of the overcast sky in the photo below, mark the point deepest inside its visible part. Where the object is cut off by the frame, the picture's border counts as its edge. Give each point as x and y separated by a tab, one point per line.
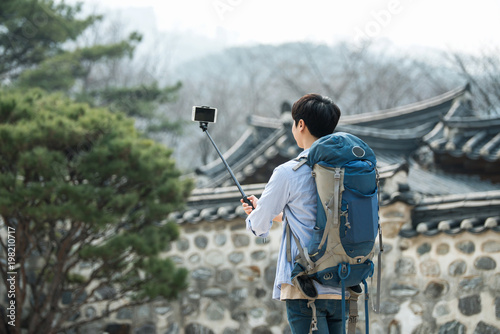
446	24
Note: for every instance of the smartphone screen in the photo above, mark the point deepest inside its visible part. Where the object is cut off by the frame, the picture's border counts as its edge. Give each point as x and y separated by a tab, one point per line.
201	114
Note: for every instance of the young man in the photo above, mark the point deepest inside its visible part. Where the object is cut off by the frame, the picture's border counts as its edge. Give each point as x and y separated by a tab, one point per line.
292	194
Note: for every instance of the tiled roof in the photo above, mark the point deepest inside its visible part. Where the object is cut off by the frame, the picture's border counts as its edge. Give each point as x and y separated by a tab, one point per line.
464	143
270	139
424	112
452	214
444	123
471	137
210	204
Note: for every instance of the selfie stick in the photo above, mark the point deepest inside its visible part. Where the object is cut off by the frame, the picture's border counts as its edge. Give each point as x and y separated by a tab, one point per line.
204	127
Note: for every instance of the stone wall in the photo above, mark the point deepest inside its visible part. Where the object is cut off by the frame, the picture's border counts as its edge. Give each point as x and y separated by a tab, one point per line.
443	284
231	280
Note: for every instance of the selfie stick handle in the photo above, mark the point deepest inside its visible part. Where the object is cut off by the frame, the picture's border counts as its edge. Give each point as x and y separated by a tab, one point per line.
204	127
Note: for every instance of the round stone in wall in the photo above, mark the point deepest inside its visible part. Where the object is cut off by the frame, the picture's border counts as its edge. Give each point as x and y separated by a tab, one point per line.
110	329
194	328
249	273
215	311
195	258
241	240
457	268
261	330
173	328
470	305
441	309
182	244
387	307
426	328
146	329
424	248
144	312
201	241
466	247
214	292
202	274
491	246
239	315
224	276
230	331
257	313
162	310
442	249
435	289
452	327
124	313
258	255
405	266
494	282
403	290
236	257
484	328
470	284
188	309
485	263
90	312
238	295
214	258
259	293
220	239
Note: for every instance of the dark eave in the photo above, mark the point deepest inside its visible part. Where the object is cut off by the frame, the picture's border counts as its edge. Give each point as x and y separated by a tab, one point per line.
467	137
223	203
401	141
452	214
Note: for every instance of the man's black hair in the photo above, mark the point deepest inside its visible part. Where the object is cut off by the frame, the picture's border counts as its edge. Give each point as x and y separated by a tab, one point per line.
319	113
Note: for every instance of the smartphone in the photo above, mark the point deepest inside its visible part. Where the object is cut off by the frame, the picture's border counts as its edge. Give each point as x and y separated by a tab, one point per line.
204	114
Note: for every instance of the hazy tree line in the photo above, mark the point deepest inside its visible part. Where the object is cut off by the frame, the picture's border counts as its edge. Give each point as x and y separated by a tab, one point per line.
256	80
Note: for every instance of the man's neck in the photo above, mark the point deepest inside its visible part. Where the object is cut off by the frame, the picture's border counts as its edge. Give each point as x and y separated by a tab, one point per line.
308	141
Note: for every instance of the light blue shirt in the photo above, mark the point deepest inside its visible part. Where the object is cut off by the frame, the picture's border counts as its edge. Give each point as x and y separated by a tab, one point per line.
294	194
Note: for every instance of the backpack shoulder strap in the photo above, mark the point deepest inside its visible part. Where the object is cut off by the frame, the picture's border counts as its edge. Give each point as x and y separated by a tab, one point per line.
301	162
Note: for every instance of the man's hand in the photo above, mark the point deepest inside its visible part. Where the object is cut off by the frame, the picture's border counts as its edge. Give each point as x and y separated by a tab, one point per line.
248	208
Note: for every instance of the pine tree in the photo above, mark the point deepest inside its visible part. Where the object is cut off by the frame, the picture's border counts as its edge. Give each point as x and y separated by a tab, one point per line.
87	198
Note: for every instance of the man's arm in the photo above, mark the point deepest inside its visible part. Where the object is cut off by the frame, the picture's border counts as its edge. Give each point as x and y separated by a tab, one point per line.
248	209
270	206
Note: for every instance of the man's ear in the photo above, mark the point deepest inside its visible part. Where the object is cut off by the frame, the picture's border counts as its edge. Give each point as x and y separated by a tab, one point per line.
301	125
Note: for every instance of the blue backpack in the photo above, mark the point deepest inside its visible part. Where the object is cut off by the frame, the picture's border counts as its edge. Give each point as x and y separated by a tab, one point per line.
343	242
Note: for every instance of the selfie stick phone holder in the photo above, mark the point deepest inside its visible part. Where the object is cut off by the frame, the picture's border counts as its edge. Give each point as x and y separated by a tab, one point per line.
204	127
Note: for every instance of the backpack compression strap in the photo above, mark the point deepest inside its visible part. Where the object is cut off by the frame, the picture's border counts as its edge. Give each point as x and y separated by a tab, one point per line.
304	255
